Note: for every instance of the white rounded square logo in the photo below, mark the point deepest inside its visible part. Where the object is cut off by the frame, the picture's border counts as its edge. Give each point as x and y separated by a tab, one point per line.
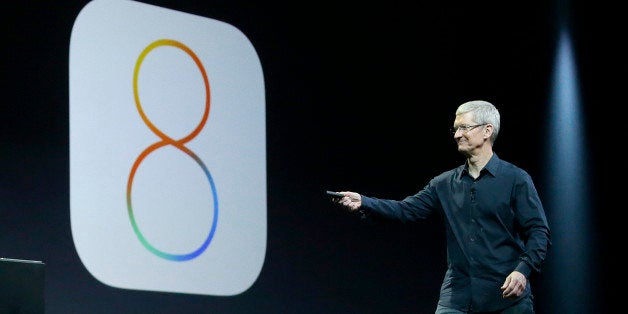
167	150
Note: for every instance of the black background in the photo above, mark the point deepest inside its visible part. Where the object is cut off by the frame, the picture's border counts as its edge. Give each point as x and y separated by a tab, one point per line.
358	97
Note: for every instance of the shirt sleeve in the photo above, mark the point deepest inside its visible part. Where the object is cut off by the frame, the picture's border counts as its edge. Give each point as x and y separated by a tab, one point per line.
535	230
412	208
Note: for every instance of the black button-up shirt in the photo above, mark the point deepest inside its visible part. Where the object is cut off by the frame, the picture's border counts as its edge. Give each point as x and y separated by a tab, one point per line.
494	224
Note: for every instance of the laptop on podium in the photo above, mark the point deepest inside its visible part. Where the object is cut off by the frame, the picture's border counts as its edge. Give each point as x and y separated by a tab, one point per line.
21	286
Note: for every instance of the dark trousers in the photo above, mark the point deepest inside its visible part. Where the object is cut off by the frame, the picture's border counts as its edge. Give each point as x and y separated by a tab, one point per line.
524	306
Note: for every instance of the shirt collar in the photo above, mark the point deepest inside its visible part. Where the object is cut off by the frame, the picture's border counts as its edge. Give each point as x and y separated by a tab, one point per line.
491	166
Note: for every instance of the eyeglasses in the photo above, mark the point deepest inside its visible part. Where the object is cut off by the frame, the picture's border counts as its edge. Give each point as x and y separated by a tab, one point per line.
465	128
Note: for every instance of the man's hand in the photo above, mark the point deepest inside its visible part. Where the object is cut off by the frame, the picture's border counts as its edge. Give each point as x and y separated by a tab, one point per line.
514	285
351	200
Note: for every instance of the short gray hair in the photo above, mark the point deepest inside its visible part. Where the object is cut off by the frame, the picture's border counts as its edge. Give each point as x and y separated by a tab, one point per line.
483	112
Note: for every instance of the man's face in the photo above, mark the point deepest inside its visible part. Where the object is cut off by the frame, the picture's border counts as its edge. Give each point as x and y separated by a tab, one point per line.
469	134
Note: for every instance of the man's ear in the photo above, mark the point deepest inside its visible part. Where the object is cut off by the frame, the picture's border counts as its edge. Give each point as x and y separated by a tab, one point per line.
488	131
